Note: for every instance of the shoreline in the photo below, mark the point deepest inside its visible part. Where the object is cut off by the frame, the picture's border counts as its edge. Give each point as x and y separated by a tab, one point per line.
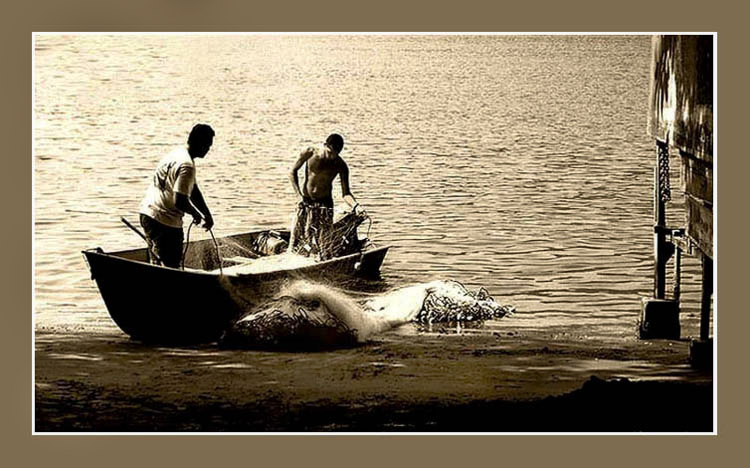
517	380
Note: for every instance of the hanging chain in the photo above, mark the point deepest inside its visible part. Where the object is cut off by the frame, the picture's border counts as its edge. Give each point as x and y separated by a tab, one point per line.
665	190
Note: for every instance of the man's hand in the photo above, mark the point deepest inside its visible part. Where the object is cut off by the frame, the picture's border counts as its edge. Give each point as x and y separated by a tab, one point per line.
209	223
197	218
358	210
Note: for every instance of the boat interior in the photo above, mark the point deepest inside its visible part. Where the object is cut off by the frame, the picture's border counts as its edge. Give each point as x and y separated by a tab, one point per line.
202	254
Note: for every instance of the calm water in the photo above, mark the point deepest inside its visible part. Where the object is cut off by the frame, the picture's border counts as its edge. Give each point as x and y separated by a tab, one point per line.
520	164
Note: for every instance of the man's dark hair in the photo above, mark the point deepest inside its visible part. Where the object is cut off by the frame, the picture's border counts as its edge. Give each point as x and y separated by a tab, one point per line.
200	133
335	141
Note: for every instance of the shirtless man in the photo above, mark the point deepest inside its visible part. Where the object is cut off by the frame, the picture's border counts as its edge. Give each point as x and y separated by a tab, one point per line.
312	230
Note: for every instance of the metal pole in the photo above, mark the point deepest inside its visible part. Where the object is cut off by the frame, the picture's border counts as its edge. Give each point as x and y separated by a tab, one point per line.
707	290
660	269
677	274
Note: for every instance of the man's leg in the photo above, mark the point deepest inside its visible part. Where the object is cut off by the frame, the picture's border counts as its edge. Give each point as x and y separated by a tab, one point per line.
166	242
299	236
328	232
148	228
170	247
323	225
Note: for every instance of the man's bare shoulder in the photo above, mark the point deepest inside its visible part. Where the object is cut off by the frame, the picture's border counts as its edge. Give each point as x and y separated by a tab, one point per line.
342	164
310	151
306	155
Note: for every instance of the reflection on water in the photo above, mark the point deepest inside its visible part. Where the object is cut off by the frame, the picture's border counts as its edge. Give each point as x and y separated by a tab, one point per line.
520	164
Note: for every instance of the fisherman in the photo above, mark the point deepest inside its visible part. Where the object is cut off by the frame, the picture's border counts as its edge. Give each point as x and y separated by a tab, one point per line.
172	193
313	226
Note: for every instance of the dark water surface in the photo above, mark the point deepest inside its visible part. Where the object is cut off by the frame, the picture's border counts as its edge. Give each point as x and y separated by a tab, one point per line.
517	163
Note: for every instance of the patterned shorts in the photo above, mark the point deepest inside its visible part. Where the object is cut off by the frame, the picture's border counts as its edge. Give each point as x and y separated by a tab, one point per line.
313	228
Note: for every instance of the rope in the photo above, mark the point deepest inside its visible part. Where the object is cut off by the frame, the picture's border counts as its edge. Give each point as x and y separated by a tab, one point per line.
218	252
369	219
187	244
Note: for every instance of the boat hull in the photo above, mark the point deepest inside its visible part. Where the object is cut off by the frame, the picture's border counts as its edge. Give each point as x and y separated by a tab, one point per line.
157	304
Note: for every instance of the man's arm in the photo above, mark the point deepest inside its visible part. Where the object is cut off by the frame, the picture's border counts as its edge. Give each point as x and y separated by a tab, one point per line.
346	192
183	187
197	198
182	202
303	157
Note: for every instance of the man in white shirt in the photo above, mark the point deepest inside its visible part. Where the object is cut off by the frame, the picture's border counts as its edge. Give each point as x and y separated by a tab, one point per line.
172	193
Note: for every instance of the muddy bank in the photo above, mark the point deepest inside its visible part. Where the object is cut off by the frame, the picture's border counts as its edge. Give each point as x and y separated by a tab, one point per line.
518	380
613	406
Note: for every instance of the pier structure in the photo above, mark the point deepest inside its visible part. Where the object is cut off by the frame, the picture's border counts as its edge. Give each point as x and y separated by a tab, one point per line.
680	120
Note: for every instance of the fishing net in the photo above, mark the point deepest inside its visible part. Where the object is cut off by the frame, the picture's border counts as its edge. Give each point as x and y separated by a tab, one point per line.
269	264
290	323
268	251
309	315
210	255
452	302
314	233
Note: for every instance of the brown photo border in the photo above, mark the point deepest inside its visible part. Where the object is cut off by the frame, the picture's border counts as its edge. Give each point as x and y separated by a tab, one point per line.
23	449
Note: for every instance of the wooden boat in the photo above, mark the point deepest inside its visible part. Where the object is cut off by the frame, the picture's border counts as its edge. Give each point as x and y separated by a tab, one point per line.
196	304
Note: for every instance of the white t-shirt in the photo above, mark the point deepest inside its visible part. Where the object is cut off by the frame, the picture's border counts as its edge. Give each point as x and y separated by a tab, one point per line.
174	174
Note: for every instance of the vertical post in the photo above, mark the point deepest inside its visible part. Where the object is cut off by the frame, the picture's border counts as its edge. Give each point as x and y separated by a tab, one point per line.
707	289
677	274
660	269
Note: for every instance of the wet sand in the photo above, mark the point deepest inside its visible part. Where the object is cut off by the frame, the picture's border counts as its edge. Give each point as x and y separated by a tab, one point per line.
517	380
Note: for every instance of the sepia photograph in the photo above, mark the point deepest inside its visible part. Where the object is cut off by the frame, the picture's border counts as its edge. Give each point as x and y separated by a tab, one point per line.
368	233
